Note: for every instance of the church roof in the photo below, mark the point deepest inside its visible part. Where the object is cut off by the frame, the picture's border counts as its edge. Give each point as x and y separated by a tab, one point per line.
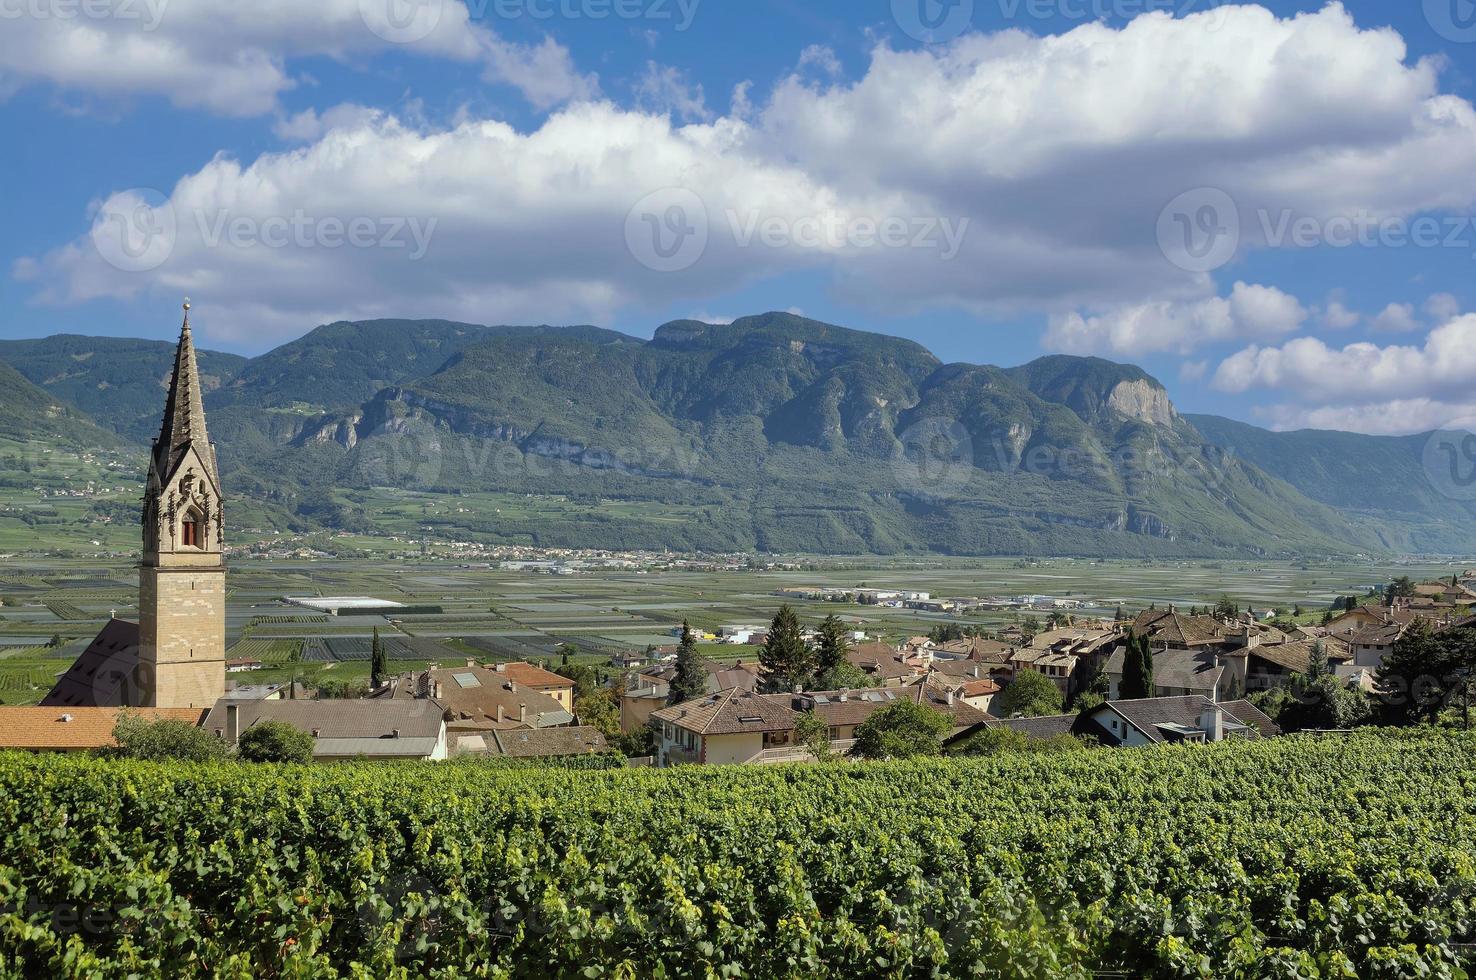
103	675
184	412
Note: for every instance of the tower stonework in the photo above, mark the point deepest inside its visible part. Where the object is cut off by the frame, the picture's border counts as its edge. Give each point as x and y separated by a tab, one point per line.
181	587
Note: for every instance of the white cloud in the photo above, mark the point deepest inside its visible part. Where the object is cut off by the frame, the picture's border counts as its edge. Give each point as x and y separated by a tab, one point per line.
1336	316
665	89
232	58
1249	311
1444	367
1397	318
1443	307
309	126
1308	113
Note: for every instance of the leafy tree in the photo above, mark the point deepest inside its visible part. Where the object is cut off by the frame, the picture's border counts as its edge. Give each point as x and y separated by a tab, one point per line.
1029	628
842	676
691	669
378	662
1400	588
600	709
1029	695
831	651
55	641
787	660
1226	609
344	690
566	651
901	730
811	731
1088	701
275	741
163	740
1137	669
945	633
1419	677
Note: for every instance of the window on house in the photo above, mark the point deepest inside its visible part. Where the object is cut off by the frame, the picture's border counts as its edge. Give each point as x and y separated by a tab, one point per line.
191	536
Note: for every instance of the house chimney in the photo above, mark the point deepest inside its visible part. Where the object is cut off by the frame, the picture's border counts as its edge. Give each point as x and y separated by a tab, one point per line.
949	698
511	686
233	723
1212	723
522	714
471	661
395	733
978	672
440	691
500	714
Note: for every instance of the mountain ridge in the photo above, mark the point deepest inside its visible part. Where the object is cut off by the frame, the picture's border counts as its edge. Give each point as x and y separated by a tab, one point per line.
785	434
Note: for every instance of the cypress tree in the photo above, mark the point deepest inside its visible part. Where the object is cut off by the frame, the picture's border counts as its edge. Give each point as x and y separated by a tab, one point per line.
378	662
691	669
833	645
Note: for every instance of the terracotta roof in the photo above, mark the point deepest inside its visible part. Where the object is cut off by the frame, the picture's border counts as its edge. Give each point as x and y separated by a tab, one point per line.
473	695
975	689
58	729
531	743
532	675
105	673
730	712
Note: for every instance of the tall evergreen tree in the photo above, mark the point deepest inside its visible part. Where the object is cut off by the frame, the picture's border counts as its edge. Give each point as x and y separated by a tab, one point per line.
786	658
833	645
378	662
1137	669
691	669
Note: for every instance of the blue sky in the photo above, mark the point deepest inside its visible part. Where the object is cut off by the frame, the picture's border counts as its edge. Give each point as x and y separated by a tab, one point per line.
1020	181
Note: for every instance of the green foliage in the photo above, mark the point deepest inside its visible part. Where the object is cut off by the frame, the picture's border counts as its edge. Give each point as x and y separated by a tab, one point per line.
1029	694
902	730
275	741
830	651
691	669
164	739
1137	669
787	660
843	676
945	633
1402	587
1424	672
997	741
1285	857
1227	608
378	662
600	709
811	731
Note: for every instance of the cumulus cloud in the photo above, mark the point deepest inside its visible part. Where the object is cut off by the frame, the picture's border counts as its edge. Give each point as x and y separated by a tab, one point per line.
1249	311
232	58
927	182
666	89
1396	388
1397	318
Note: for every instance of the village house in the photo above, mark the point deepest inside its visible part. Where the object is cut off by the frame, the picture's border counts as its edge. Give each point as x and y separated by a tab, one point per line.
530	743
59	729
478	698
1146	721
370	729
650	689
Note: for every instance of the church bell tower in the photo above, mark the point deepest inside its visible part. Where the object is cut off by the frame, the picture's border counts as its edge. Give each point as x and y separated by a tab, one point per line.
181	614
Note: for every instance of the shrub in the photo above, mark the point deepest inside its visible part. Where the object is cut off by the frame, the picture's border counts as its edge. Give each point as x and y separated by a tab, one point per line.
901	730
162	740
275	741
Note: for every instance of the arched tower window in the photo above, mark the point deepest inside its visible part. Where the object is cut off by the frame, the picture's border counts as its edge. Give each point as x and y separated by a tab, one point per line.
192	532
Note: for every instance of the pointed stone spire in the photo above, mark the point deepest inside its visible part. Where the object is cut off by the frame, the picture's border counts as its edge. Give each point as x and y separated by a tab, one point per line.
184	412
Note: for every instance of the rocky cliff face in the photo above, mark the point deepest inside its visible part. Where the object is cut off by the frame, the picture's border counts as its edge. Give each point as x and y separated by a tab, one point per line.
1142	400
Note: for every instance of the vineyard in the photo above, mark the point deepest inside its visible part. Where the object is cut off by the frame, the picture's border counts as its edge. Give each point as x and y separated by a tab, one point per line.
1292	857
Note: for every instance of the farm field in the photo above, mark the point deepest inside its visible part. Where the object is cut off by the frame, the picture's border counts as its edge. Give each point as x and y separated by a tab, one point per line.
53	606
1295	857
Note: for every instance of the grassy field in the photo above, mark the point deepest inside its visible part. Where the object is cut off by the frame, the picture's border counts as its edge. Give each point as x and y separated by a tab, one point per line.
497	614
